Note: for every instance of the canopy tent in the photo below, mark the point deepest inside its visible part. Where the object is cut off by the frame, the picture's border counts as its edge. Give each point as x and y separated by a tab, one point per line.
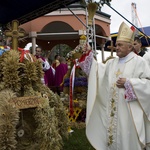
145	40
27	10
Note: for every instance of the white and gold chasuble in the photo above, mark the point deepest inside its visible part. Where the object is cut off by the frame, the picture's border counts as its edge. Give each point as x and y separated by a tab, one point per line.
113	123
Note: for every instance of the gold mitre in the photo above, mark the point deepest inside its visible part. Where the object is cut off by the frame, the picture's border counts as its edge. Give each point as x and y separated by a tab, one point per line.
82	37
125	33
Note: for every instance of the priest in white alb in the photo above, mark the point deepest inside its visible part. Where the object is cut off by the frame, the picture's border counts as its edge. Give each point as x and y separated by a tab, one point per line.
118	103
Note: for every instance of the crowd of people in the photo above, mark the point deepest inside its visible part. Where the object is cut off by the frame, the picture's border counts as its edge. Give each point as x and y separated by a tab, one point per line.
54	72
118	114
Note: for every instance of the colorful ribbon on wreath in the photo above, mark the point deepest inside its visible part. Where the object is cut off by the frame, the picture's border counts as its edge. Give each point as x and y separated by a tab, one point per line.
4	49
24	54
72	79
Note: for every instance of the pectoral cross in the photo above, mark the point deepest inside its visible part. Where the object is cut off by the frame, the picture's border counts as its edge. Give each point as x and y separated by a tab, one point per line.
118	73
15	32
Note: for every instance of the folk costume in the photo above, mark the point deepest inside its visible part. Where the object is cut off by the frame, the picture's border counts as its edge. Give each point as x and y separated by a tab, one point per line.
146	56
118	118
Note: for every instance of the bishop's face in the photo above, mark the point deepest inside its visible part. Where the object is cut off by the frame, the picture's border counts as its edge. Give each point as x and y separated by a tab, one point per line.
123	48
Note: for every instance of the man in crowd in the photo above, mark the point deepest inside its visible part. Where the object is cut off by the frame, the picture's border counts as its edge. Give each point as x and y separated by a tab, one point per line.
141	52
118	114
60	72
48	70
56	61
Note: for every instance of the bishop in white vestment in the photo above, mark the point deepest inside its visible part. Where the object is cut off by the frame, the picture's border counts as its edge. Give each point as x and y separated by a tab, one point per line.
118	117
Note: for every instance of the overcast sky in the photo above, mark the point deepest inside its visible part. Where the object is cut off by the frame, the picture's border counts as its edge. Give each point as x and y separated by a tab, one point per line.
124	8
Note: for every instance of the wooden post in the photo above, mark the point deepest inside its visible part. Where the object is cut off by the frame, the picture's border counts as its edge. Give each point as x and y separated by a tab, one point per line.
111	47
33	35
15	33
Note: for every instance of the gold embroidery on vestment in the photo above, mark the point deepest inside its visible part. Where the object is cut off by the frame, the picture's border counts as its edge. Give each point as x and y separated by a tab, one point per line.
118	73
112	117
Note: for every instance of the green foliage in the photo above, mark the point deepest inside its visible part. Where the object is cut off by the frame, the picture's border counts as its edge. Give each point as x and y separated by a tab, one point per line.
77	141
62	49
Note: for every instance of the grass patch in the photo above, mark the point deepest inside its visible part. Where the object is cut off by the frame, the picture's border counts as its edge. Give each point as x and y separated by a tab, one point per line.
77	141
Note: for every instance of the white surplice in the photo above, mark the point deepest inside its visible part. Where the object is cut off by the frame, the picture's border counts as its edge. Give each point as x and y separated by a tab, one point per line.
113	123
147	57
